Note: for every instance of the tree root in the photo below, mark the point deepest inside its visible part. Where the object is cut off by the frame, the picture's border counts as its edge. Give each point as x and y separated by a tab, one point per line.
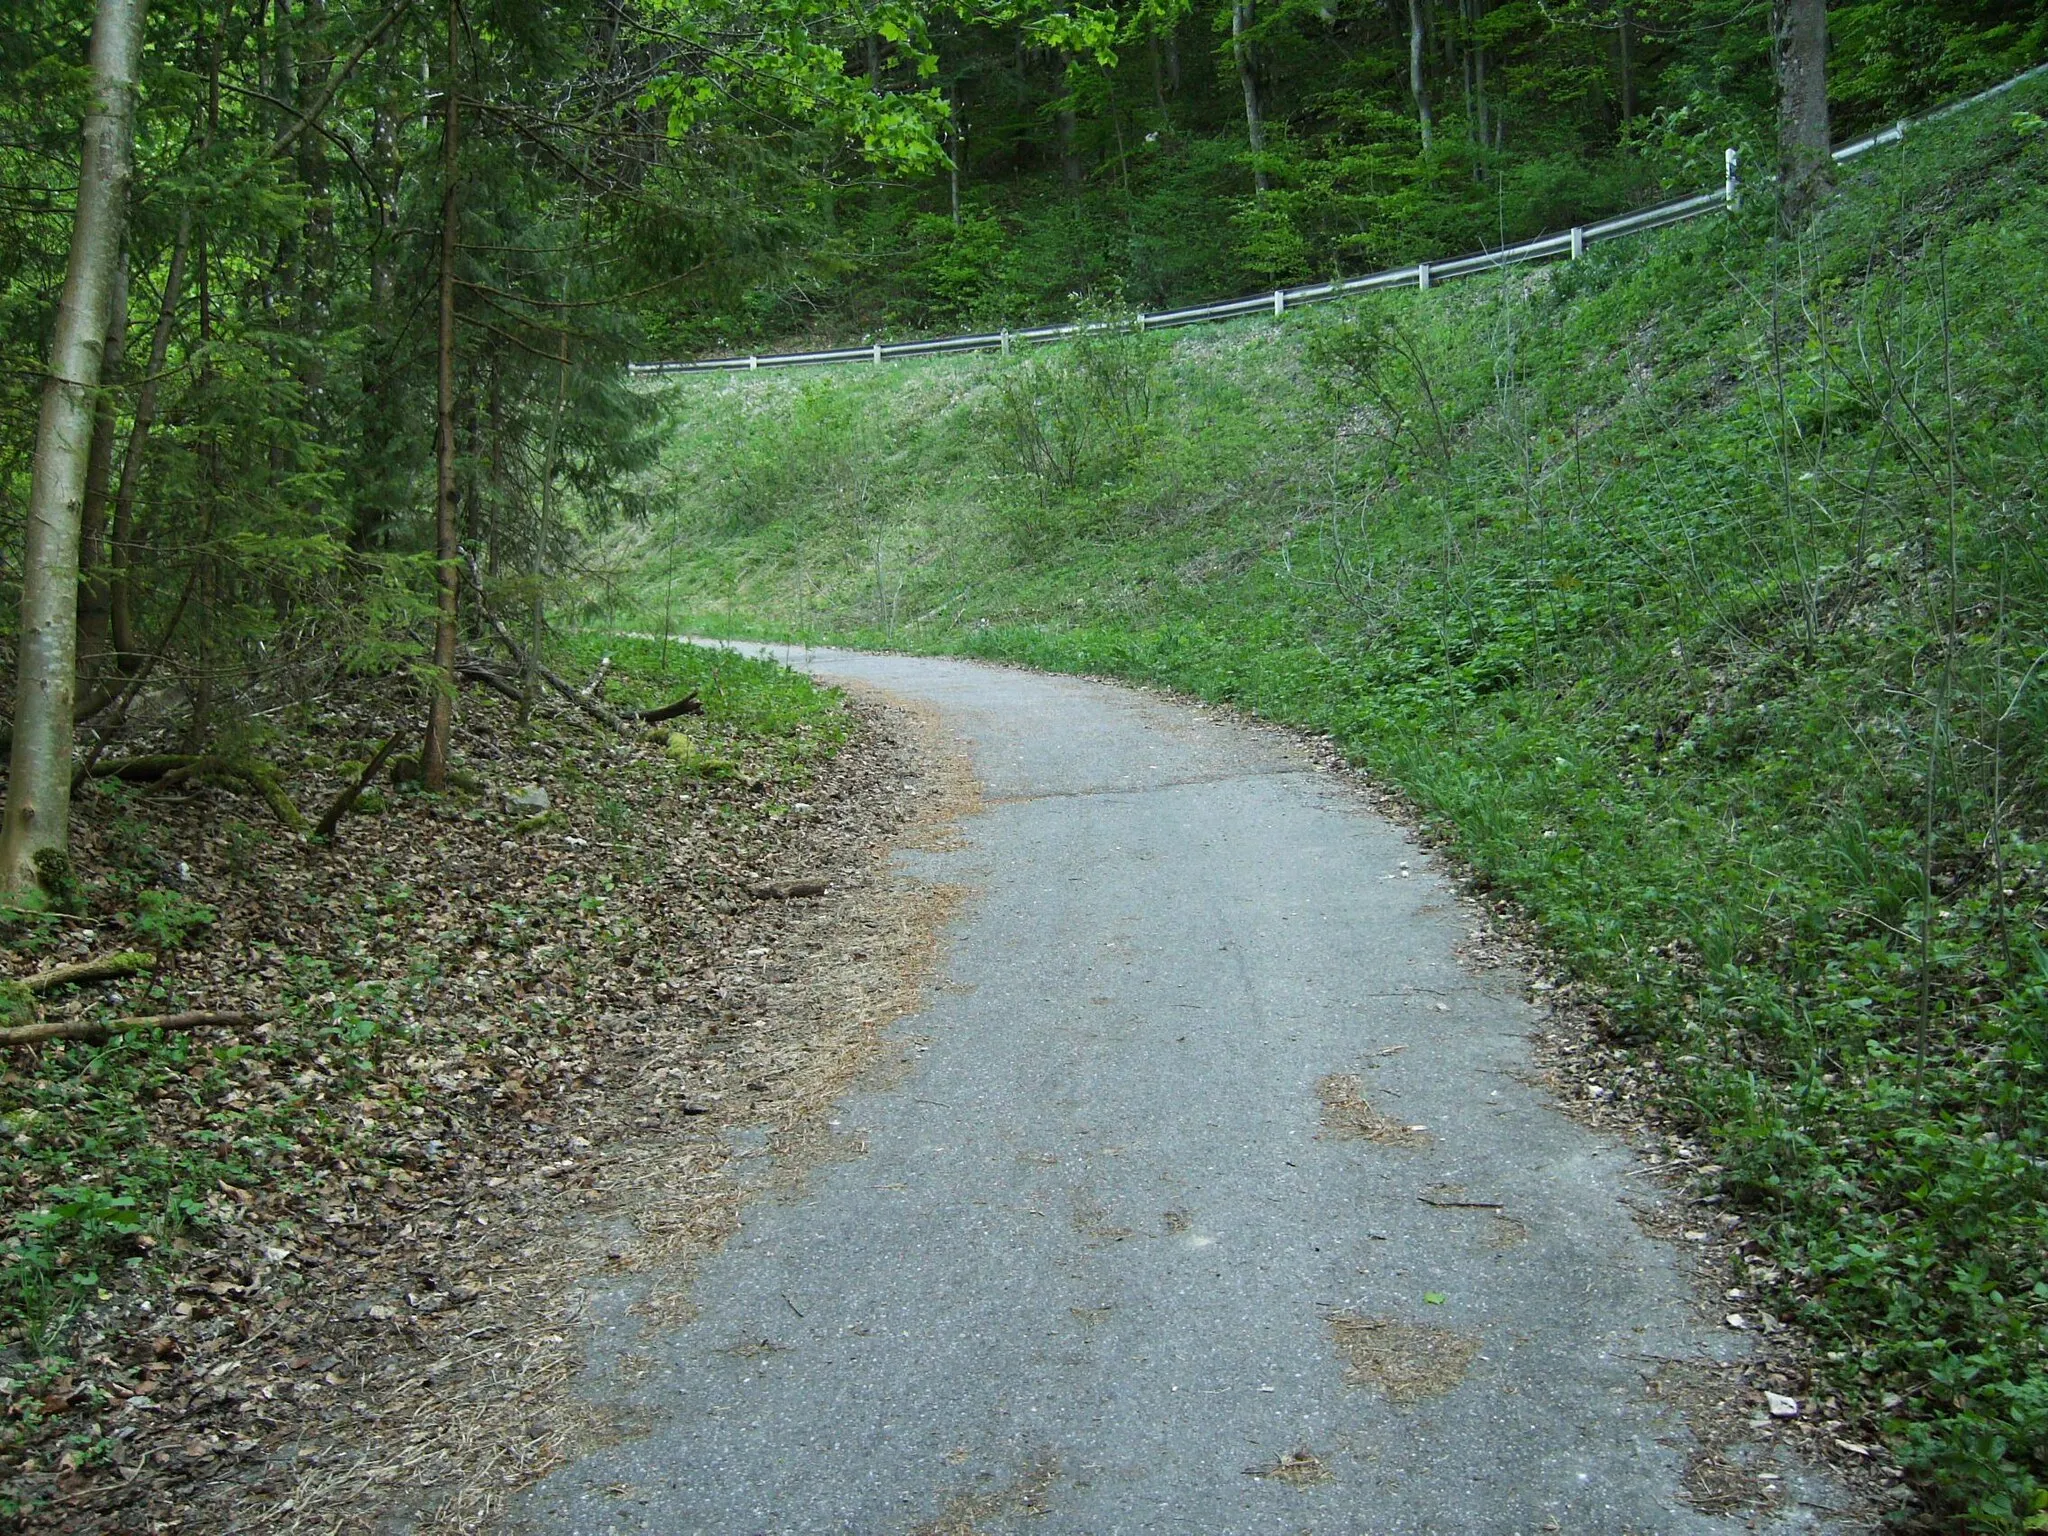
168	769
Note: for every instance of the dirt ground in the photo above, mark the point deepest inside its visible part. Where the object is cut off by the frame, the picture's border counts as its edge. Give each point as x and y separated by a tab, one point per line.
382	1341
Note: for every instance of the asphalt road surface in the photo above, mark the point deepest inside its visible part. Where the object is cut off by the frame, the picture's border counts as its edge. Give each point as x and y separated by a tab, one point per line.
1141	1243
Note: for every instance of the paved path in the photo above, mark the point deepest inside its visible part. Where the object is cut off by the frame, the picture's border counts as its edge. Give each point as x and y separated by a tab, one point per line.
1085	1279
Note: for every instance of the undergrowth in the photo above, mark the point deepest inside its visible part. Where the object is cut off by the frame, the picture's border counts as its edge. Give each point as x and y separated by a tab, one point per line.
119	1158
1695	590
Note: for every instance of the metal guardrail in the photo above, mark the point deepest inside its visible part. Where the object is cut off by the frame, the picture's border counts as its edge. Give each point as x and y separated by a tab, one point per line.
1423	274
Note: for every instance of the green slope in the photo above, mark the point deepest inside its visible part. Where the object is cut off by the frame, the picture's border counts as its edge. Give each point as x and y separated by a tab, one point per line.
1696	590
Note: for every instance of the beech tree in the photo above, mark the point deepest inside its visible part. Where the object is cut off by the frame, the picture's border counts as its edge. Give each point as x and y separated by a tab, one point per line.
34	839
1799	39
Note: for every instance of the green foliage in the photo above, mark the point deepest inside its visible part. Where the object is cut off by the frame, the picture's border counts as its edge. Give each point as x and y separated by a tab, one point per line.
57	881
167	920
1078	417
1106	149
262	508
1694	591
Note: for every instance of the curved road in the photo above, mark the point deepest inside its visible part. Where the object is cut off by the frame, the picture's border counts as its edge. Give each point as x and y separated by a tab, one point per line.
1147	1222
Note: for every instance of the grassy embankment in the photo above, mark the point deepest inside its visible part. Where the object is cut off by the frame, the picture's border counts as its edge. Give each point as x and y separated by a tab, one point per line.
1697	589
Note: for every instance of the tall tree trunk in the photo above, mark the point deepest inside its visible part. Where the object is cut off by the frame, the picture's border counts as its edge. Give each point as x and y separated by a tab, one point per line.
377	507
1799	38
1418	42
317	258
441	711
93	602
1070	152
537	626
1247	76
957	133
35	833
120	552
1625	42
1173	58
1475	12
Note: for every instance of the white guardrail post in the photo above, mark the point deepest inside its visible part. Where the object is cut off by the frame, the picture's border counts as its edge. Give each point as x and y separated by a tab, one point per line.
1727	198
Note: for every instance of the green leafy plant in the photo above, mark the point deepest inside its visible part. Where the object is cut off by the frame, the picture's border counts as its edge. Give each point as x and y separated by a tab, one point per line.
167	920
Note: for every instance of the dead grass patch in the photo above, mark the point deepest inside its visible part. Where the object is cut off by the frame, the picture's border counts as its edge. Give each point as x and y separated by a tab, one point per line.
1348	1117
1406	1361
1299	1468
1028	1493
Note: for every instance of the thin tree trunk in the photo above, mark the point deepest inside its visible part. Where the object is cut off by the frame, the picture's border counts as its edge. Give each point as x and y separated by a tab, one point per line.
441	711
120	553
93	615
1626	41
537	629
1479	70
35	832
1799	38
376	509
1070	154
1418	41
1247	76
958	149
1173	59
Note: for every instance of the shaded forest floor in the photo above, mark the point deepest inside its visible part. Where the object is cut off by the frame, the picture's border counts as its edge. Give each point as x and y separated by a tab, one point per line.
322	1271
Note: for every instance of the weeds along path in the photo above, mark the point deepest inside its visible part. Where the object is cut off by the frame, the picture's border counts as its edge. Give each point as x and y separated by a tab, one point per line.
1209	1192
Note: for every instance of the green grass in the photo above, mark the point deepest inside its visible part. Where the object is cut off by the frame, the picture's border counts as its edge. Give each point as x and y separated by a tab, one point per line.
1695	590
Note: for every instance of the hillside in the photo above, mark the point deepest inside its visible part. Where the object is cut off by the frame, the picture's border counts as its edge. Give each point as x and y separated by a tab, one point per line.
1693	591
1161	153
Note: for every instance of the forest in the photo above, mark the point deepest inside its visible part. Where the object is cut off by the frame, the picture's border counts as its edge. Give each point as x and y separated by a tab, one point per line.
326	496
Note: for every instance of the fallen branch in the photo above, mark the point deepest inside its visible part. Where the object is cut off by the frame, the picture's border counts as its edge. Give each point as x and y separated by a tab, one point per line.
349	796
125	962
594	689
787	890
1462	1205
688	704
477	672
601	713
167	770
98	1032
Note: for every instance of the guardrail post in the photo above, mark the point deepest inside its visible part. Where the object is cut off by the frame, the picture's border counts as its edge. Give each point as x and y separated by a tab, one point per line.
1006	343
1422	274
753	362
1732	191
1141	320
878	351
1279	301
1578	242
